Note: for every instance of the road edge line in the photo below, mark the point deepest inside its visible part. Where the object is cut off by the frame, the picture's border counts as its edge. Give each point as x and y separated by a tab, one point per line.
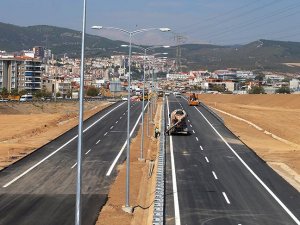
57	150
174	179
108	173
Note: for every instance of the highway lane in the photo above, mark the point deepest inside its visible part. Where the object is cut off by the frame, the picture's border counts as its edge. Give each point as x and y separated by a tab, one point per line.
213	185
46	193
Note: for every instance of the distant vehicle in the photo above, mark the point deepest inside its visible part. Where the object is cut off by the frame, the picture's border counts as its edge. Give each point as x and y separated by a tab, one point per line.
178	122
124	98
167	93
177	94
160	93
26	98
193	100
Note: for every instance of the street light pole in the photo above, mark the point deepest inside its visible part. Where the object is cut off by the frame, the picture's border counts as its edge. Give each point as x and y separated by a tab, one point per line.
143	94
80	123
127	207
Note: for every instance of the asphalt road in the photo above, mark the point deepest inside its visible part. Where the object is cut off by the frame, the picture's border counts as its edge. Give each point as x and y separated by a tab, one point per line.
40	189
215	181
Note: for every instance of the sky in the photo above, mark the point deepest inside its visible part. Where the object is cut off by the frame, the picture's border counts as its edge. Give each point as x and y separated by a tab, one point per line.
221	22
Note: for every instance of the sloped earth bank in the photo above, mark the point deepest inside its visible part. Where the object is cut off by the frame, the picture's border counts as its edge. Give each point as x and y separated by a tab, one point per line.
276	139
24	127
142	183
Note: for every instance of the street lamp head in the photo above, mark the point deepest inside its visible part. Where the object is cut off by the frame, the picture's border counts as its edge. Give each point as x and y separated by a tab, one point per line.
124	45
165	53
97	27
164	29
166	46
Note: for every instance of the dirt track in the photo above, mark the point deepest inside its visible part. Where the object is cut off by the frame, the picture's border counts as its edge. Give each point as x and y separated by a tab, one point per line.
275	114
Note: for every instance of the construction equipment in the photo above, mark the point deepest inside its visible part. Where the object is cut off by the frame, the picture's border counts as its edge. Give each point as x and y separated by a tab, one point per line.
14	97
178	122
193	100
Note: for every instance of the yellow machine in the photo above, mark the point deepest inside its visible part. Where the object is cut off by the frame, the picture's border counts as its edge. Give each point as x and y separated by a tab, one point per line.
193	100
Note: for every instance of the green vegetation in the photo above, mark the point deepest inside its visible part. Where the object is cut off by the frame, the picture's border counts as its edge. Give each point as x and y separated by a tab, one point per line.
42	93
257	90
283	90
92	91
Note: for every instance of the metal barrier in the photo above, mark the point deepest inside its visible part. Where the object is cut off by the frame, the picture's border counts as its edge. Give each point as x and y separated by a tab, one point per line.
158	212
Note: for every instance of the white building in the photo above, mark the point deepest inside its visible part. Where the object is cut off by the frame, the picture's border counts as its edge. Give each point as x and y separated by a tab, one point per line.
245	74
177	76
295	84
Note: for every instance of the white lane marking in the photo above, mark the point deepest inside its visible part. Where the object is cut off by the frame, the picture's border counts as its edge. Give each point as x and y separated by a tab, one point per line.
193	131
121	117
188	120
206	159
124	145
226	198
74	165
124	113
61	147
98	142
215	176
117	121
191	125
201	148
88	151
252	172
197	139
105	134
174	180
111	127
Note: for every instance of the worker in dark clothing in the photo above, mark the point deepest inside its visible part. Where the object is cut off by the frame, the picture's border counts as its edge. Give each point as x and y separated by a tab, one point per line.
156	132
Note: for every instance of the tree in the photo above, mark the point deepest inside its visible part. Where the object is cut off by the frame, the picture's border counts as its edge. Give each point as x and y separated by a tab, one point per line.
283	90
43	93
219	88
4	92
22	92
92	91
257	90
14	92
260	77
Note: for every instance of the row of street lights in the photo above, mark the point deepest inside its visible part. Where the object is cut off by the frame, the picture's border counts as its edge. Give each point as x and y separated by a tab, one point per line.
144	81
80	118
127	207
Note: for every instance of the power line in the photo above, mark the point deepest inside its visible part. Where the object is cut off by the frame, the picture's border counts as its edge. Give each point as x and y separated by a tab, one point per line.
256	21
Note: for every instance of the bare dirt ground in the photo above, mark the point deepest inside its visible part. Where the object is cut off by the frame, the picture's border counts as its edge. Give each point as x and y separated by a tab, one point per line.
277	137
142	187
28	126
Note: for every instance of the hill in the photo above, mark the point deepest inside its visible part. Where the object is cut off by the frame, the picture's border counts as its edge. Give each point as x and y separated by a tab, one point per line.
59	40
258	55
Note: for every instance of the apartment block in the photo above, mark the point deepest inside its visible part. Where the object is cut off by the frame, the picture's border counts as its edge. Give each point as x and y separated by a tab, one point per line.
22	73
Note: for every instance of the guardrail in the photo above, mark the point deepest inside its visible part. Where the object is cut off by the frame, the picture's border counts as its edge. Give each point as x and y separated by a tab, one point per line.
159	200
212	112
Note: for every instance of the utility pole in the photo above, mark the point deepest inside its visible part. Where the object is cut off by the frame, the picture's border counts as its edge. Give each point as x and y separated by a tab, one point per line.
179	39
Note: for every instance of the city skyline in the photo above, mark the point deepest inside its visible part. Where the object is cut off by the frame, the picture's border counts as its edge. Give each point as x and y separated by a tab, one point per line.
233	22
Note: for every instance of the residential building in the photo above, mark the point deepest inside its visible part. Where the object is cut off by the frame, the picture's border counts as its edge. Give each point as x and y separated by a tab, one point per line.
21	72
294	84
39	52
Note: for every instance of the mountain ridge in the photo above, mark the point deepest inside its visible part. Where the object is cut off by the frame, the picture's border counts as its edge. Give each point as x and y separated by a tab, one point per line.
257	55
